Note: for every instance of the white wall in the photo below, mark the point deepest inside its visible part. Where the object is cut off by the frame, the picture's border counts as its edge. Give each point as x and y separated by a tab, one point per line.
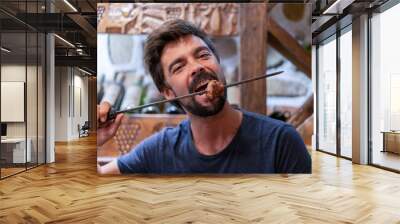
33	126
80	109
61	103
14	73
71	94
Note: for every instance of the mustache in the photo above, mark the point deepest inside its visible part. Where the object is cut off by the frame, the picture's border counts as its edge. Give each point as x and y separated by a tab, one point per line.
200	78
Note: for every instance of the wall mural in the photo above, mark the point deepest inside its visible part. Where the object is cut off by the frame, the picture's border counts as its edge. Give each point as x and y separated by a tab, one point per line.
217	19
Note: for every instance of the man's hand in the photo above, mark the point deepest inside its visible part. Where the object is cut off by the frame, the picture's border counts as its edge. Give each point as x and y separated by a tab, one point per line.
108	128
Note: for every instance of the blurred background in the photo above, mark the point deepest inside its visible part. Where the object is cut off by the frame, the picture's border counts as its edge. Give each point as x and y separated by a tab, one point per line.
123	81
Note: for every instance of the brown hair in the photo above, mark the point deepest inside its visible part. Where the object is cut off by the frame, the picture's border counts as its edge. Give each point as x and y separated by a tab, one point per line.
168	32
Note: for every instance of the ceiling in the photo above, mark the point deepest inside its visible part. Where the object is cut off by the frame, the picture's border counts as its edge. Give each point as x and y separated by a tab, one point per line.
328	16
73	20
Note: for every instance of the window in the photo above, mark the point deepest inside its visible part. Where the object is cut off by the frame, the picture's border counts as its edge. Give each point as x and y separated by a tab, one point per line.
346	92
327	96
385	89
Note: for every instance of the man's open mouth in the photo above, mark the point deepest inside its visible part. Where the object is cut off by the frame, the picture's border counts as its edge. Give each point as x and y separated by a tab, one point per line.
203	85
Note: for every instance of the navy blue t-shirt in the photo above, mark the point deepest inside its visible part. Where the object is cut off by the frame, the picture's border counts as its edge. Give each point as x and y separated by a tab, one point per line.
261	145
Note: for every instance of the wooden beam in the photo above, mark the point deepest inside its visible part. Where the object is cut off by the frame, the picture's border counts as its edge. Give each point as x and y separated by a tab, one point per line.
305	111
288	46
253	41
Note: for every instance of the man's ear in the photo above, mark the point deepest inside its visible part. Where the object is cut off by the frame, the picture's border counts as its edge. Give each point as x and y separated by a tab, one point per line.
168	93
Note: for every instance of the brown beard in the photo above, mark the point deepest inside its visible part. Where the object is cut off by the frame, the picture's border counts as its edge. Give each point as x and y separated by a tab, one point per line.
197	109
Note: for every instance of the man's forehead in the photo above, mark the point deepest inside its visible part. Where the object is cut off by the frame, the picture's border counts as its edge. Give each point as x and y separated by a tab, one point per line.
183	42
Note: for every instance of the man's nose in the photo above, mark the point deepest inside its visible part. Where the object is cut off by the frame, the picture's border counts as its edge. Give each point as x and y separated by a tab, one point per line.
197	68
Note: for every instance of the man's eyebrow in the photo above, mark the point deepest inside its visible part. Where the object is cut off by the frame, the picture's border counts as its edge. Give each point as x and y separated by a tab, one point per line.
201	48
174	62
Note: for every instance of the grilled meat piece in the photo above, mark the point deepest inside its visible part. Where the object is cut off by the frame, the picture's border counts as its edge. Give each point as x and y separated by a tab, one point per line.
214	89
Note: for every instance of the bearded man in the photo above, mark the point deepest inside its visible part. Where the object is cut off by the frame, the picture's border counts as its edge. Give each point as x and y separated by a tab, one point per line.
215	137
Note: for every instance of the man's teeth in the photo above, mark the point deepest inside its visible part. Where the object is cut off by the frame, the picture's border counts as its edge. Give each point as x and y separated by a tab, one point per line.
201	86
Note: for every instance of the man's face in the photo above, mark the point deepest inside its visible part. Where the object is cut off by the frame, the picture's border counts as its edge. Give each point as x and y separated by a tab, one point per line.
187	64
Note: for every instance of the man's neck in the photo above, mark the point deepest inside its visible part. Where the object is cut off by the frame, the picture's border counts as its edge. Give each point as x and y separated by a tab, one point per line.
213	134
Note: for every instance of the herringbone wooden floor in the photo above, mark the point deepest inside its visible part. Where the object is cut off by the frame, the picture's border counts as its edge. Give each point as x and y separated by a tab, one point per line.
70	191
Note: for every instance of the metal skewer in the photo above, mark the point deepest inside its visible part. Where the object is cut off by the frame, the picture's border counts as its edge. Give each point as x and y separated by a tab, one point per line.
113	113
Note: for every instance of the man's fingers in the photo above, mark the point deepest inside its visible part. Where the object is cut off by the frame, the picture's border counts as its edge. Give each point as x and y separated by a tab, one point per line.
108	130
103	111
119	118
115	125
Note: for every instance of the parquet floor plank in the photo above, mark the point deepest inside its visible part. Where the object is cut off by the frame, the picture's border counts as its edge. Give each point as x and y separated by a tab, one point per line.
70	191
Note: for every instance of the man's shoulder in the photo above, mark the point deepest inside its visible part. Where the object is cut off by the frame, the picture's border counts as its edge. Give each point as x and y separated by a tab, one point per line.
264	127
263	120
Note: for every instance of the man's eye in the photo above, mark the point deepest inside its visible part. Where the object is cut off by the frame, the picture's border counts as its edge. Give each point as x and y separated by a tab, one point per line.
204	55
177	68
